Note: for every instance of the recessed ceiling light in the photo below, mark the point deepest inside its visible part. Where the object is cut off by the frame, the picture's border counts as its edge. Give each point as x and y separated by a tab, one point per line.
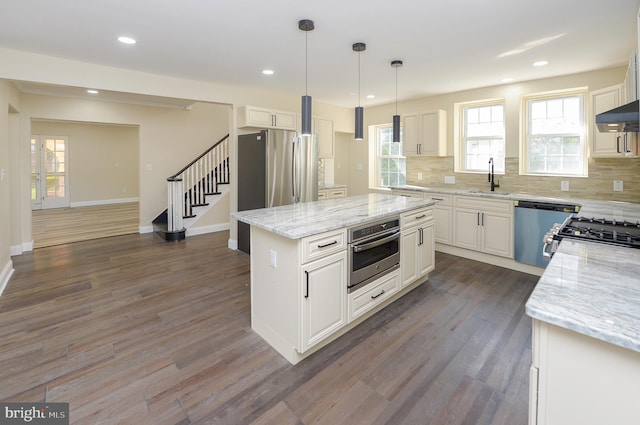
92	91
507	80
126	40
540	63
371	96
267	71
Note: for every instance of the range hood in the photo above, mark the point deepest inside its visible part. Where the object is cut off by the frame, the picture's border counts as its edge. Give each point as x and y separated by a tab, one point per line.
622	118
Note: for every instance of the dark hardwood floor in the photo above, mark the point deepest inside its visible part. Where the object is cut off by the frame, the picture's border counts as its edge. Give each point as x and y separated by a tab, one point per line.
134	330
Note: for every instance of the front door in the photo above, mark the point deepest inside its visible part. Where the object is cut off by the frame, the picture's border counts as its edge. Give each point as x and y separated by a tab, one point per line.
49	172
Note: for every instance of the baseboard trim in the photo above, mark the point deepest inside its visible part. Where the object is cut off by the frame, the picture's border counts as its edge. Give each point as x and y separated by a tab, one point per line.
145	229
507	263
5	276
103	202
232	244
201	230
21	249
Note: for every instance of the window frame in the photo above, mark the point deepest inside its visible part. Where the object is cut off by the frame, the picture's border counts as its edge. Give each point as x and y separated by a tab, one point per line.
374	157
525	109
460	139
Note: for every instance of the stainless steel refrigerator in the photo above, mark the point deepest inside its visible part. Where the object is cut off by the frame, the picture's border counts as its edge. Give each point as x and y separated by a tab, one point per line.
275	167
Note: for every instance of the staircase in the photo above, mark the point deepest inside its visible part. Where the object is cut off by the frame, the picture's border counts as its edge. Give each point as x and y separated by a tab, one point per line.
193	190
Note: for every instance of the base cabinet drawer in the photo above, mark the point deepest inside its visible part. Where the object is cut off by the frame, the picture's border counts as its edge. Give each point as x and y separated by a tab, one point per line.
373	294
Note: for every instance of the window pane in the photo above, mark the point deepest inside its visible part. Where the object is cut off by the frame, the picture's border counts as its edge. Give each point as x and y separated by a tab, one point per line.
483	137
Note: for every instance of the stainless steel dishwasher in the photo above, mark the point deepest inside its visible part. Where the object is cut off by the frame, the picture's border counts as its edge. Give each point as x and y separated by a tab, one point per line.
533	219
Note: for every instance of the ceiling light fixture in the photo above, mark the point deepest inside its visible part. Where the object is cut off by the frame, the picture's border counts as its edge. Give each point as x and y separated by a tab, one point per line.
126	40
371	96
396	118
267	71
92	91
540	63
507	80
359	124
306	25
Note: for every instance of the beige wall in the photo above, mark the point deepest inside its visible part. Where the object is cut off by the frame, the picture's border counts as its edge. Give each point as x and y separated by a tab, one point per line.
168	138
9	130
601	172
103	159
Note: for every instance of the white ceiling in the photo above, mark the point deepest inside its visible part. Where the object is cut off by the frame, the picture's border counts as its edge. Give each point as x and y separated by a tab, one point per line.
446	45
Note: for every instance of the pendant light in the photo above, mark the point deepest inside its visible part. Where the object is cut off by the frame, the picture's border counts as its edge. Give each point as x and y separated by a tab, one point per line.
359	124
396	118
306	25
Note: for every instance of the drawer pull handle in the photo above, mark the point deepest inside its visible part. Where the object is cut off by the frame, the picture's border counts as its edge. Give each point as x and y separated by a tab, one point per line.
324	245
373	297
420	216
437	199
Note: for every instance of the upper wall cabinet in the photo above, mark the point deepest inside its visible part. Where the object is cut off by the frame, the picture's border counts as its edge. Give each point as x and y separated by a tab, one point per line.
610	145
326	141
425	133
253	116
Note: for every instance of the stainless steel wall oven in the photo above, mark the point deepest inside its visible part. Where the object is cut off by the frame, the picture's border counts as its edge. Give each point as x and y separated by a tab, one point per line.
374	250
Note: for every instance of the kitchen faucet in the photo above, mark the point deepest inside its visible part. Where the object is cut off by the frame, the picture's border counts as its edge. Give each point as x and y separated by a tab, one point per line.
490	178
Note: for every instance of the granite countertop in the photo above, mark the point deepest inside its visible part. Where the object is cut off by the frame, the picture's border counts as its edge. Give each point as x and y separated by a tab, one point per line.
593	289
588	207
310	218
331	186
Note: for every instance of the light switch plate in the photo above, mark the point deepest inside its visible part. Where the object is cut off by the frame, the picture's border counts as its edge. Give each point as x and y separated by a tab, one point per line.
618	186
419	176
450	179
564	185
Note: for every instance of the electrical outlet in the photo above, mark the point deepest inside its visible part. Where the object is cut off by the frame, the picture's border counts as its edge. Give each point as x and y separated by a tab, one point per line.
273	257
419	176
618	186
450	179
564	185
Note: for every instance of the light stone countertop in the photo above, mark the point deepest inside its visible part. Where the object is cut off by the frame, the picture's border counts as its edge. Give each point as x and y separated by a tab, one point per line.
331	186
593	289
311	218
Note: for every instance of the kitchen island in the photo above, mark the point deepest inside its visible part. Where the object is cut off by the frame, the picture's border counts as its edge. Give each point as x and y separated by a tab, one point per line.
586	337
300	261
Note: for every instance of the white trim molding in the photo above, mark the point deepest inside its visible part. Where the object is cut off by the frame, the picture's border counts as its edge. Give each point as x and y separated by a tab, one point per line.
6	275
201	230
21	249
103	202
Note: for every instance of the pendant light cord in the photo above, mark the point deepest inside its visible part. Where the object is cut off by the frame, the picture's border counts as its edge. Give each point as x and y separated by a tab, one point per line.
306	63
396	90
358	78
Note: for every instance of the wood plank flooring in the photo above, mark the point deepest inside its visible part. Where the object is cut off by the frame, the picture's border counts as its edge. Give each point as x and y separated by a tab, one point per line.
65	225
135	330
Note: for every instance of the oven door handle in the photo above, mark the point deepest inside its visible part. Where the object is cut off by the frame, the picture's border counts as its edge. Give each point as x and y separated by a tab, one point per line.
378	242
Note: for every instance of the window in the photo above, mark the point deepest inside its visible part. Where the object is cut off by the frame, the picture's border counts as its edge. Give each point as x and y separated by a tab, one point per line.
481	136
391	166
554	141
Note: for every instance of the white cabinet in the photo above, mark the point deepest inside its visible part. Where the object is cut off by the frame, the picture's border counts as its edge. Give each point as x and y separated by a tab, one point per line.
442	212
577	379
483	224
324	308
417	245
253	116
332	193
610	145
326	140
425	133
373	294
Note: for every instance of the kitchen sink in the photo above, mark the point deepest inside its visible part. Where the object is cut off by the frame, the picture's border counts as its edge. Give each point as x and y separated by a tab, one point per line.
488	192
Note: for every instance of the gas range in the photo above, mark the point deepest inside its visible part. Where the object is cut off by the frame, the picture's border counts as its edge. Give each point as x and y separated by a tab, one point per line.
616	232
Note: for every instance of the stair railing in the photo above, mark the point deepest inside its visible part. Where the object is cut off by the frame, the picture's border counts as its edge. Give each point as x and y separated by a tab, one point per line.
188	187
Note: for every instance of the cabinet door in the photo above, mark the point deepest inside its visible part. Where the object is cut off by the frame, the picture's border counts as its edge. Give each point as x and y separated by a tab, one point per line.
284	120
605	144
465	229
497	234
324	130
324	298
433	133
259	117
409	255
426	250
443	231
410	134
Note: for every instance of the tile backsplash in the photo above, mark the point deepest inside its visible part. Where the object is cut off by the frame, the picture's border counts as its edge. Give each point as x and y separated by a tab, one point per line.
599	184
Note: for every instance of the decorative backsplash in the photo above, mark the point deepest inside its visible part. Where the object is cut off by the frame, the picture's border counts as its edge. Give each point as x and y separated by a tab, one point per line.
599	184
